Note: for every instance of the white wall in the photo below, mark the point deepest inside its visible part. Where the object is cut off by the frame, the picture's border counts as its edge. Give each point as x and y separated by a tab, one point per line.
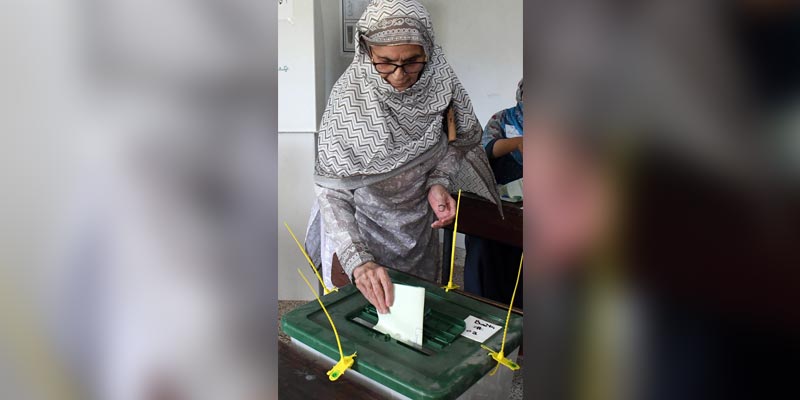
299	53
483	43
301	96
295	198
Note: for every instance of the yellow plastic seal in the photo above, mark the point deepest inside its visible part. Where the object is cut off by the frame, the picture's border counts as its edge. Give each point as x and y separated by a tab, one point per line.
345	362
343	365
325	289
499	356
450	285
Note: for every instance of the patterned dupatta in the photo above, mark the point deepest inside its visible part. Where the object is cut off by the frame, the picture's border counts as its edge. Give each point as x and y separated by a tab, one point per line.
370	132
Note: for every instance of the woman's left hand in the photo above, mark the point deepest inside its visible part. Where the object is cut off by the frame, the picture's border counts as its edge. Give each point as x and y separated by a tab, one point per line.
444	206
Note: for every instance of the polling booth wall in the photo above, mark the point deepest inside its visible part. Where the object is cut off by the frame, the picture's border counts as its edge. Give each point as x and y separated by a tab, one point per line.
482	41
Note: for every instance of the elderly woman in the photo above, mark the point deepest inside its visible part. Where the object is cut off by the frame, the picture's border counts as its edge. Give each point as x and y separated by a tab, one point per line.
385	165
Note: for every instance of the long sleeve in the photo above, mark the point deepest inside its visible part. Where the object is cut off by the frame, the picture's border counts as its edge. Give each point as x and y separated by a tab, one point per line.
337	208
445	170
493	131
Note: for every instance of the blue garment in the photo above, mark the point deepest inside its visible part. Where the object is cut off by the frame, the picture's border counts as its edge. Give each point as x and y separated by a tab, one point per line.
513	117
505	124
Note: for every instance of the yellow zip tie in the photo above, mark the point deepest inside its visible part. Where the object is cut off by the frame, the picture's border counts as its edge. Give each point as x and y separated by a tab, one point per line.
325	289
499	356
345	362
450	286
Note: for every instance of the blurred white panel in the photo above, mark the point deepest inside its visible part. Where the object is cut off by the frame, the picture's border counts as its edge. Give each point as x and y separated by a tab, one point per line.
296	189
297	60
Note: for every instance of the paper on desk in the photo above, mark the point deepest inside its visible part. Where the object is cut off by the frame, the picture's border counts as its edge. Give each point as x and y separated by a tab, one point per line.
404	320
512	191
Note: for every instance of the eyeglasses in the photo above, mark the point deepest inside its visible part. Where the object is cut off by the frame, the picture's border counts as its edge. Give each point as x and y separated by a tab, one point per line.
408	68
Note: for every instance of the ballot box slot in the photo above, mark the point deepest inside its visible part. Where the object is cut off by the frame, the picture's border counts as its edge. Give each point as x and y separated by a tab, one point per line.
439	329
369	323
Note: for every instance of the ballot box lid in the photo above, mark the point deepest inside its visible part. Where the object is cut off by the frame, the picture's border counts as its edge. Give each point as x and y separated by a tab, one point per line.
445	366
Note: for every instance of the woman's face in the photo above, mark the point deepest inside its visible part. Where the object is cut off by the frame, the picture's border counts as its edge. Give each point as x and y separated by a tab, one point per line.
399	54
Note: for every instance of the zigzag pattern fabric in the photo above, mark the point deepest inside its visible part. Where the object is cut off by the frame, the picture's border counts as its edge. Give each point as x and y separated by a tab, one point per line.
369	129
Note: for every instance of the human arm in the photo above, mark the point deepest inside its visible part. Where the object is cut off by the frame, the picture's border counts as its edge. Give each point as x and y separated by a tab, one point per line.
505	146
337	207
495	141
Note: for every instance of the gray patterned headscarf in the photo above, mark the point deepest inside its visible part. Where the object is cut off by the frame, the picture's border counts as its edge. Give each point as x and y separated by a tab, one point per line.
370	131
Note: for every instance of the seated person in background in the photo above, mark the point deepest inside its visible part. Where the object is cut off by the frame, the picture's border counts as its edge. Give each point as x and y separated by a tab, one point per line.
502	139
490	268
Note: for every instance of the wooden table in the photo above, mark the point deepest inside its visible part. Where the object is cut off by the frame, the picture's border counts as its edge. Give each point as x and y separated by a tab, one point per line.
480	218
301	376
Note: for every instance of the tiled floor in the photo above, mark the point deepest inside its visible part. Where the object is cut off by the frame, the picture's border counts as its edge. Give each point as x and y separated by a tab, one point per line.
458	278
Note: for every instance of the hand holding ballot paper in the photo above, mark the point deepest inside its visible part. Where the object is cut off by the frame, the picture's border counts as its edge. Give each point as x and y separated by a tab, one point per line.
404	320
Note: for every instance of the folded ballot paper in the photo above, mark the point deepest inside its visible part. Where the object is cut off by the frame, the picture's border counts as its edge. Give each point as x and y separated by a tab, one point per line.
404	320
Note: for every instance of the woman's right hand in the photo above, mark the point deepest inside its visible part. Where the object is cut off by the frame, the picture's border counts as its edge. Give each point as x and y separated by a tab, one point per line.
374	282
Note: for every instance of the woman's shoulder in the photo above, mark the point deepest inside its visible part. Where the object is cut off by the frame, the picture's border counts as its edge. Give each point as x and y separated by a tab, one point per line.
496	121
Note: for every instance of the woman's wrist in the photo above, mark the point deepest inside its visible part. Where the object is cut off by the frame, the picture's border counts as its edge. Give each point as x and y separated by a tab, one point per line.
352	257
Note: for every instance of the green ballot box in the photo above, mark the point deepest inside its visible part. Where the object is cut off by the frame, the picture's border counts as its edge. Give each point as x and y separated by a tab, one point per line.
449	364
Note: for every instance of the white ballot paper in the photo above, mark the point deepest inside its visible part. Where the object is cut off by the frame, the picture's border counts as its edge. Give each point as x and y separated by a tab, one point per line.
404	320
